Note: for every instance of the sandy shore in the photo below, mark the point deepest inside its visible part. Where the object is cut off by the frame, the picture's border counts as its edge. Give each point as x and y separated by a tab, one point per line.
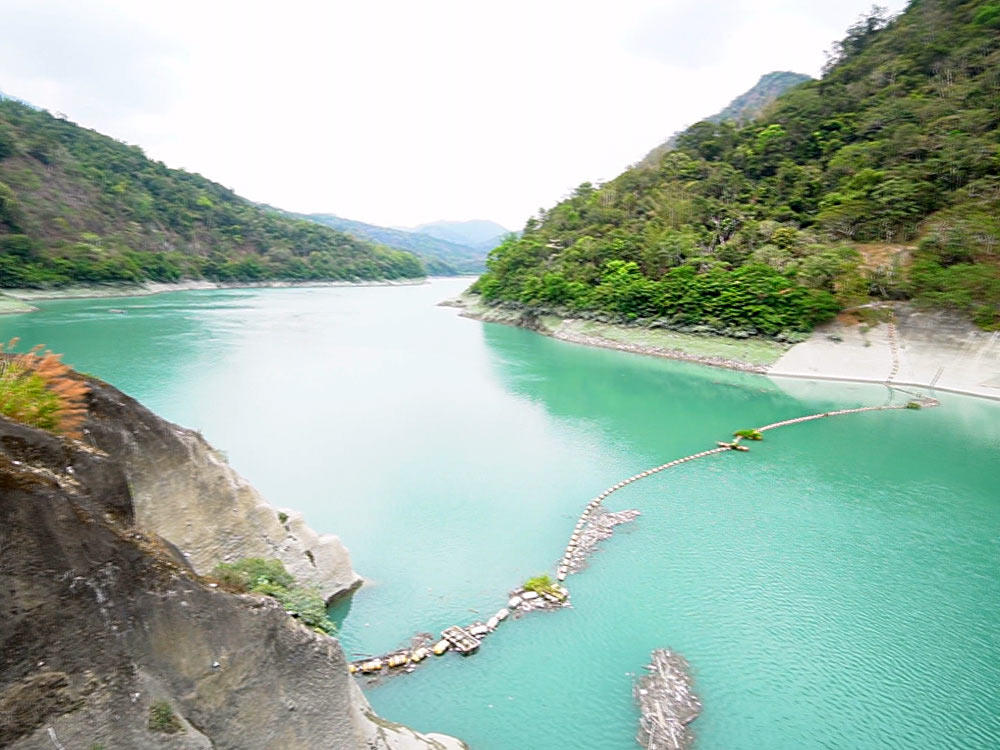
748	355
935	351
928	350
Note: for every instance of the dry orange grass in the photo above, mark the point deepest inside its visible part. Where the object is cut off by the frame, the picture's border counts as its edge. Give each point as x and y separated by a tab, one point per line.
68	389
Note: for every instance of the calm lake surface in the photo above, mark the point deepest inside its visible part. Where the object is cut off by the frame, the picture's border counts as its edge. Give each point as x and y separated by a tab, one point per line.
836	587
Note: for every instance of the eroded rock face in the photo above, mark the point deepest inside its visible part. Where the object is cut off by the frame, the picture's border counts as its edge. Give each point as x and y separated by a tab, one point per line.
184	491
108	637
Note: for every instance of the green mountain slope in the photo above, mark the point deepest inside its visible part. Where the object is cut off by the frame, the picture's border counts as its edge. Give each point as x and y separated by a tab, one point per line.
79	207
880	181
747	106
441	257
751	104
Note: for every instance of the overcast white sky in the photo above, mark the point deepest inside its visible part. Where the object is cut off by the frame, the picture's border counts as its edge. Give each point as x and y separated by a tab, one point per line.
408	111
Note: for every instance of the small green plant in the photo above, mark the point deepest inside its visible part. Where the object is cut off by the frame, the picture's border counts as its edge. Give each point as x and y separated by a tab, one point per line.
913	405
259	576
163	719
541	584
251	572
282	517
748	434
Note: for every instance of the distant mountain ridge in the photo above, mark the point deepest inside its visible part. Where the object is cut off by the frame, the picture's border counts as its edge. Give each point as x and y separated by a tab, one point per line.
442	257
477	233
448	248
745	107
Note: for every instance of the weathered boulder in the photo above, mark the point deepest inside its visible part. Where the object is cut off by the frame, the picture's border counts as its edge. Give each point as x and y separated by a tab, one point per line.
184	490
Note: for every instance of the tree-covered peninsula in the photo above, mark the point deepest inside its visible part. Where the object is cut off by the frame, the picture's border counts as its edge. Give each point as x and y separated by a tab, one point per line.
77	207
880	181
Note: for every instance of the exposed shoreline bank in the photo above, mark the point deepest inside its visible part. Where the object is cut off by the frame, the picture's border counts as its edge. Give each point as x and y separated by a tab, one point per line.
936	351
18	300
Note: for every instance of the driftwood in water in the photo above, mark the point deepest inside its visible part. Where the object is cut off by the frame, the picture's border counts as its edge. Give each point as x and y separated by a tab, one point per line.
597	528
666	703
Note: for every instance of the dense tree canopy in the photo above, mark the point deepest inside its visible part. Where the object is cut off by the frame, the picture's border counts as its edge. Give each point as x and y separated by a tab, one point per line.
880	180
79	207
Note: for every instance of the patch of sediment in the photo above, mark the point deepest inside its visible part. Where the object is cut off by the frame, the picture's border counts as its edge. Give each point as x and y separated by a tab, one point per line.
594	531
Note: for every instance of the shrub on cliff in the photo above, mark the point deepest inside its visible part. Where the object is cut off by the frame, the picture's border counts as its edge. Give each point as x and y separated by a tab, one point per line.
257	575
39	390
163	719
541	584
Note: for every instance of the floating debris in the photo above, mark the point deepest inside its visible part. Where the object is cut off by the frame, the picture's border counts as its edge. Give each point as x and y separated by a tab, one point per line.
399	659
375	665
597	529
461	640
666	703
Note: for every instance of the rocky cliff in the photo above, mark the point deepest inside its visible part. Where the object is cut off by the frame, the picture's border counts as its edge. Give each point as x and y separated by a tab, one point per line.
108	635
183	490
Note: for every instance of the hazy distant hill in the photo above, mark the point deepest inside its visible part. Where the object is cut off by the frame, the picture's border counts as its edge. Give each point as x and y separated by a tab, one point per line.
80	207
743	108
477	233
442	257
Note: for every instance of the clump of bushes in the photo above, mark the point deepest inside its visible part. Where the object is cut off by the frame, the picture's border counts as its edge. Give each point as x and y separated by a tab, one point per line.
541	584
913	405
257	575
39	390
163	719
748	434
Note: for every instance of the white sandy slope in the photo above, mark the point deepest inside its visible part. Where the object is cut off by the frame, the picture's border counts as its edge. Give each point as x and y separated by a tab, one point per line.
935	351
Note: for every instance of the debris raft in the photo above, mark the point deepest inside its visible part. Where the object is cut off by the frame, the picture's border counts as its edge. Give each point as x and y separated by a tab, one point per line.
462	640
666	703
597	528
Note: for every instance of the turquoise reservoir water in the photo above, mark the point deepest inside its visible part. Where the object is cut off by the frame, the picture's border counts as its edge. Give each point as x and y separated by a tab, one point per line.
836	587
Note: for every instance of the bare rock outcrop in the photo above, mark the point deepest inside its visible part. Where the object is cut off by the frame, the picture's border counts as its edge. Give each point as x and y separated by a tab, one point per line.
184	490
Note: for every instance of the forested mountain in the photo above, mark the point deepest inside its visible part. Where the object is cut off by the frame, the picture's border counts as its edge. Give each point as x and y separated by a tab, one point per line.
477	233
441	257
79	207
747	106
879	181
